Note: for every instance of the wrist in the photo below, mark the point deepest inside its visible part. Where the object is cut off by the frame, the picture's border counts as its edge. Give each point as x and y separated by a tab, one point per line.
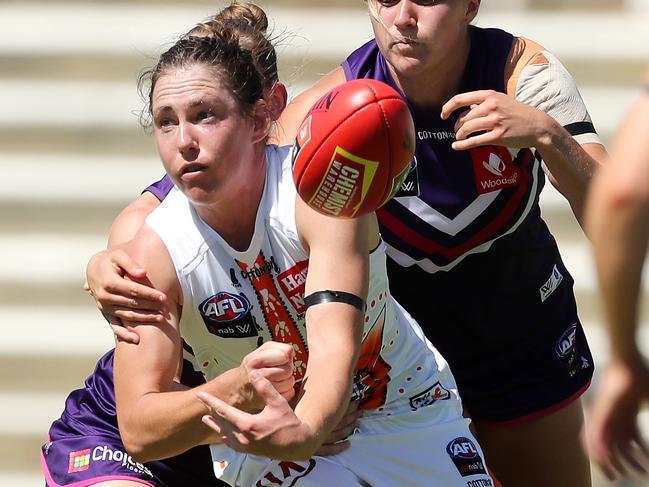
548	131
306	442
237	393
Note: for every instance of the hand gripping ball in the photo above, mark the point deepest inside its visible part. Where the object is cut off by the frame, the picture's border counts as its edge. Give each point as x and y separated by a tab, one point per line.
353	149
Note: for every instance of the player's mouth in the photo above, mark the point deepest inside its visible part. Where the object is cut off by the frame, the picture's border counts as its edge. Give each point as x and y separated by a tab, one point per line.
405	43
404	39
192	170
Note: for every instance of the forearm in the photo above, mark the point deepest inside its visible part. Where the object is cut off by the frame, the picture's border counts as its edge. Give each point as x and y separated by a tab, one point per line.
164	424
323	405
618	223
333	354
619	235
569	166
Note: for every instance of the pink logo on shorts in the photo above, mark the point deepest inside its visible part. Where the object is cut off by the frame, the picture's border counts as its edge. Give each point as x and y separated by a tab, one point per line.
79	461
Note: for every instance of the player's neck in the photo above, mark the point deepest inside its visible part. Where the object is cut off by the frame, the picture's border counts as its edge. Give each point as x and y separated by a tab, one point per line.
234	217
434	86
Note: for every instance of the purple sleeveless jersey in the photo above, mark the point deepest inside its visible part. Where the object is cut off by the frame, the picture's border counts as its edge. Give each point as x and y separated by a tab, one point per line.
160	189
472	260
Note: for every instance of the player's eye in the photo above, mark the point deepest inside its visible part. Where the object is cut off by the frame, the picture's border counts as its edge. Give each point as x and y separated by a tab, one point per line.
164	123
205	114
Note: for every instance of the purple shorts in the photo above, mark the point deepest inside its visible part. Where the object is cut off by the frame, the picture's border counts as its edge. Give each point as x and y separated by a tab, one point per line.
86	460
84	446
507	324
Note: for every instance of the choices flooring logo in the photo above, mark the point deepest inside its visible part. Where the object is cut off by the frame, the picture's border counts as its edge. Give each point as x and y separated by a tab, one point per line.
79	461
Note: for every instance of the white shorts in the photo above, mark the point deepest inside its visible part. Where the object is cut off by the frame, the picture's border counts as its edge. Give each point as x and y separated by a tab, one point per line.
429	447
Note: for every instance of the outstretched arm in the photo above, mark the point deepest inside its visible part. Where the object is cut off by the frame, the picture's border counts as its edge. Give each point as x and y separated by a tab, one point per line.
618	223
338	260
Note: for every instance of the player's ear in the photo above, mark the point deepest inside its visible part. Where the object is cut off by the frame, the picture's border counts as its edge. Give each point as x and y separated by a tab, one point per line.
277	99
261	119
472	7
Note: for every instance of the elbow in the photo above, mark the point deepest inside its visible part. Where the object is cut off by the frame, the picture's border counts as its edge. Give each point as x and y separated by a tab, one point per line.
614	201
624	197
621	199
139	451
137	445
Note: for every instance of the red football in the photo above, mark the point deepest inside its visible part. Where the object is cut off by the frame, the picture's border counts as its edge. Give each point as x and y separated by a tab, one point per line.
353	149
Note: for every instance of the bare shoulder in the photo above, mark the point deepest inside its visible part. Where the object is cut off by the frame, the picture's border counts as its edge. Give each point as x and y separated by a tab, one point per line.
292	116
148	249
523	52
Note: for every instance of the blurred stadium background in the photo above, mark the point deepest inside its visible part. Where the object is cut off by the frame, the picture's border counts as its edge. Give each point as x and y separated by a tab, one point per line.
72	155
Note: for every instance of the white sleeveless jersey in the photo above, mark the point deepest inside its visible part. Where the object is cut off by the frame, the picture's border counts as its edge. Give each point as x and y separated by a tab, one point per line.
234	301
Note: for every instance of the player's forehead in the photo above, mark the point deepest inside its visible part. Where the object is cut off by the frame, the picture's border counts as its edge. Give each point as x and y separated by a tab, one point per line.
390	3
188	87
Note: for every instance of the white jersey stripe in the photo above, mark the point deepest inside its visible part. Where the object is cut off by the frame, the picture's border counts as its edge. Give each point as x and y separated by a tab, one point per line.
450	226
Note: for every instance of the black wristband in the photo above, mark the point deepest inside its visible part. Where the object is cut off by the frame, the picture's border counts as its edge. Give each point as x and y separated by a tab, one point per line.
328	296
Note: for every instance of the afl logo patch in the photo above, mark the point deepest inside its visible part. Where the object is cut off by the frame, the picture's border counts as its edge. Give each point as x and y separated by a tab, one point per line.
228	315
566	344
465	456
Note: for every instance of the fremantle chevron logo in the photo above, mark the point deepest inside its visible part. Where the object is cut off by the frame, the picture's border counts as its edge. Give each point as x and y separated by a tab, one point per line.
495	165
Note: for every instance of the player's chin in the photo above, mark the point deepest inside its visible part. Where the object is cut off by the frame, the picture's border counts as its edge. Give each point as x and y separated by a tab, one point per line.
408	62
199	195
